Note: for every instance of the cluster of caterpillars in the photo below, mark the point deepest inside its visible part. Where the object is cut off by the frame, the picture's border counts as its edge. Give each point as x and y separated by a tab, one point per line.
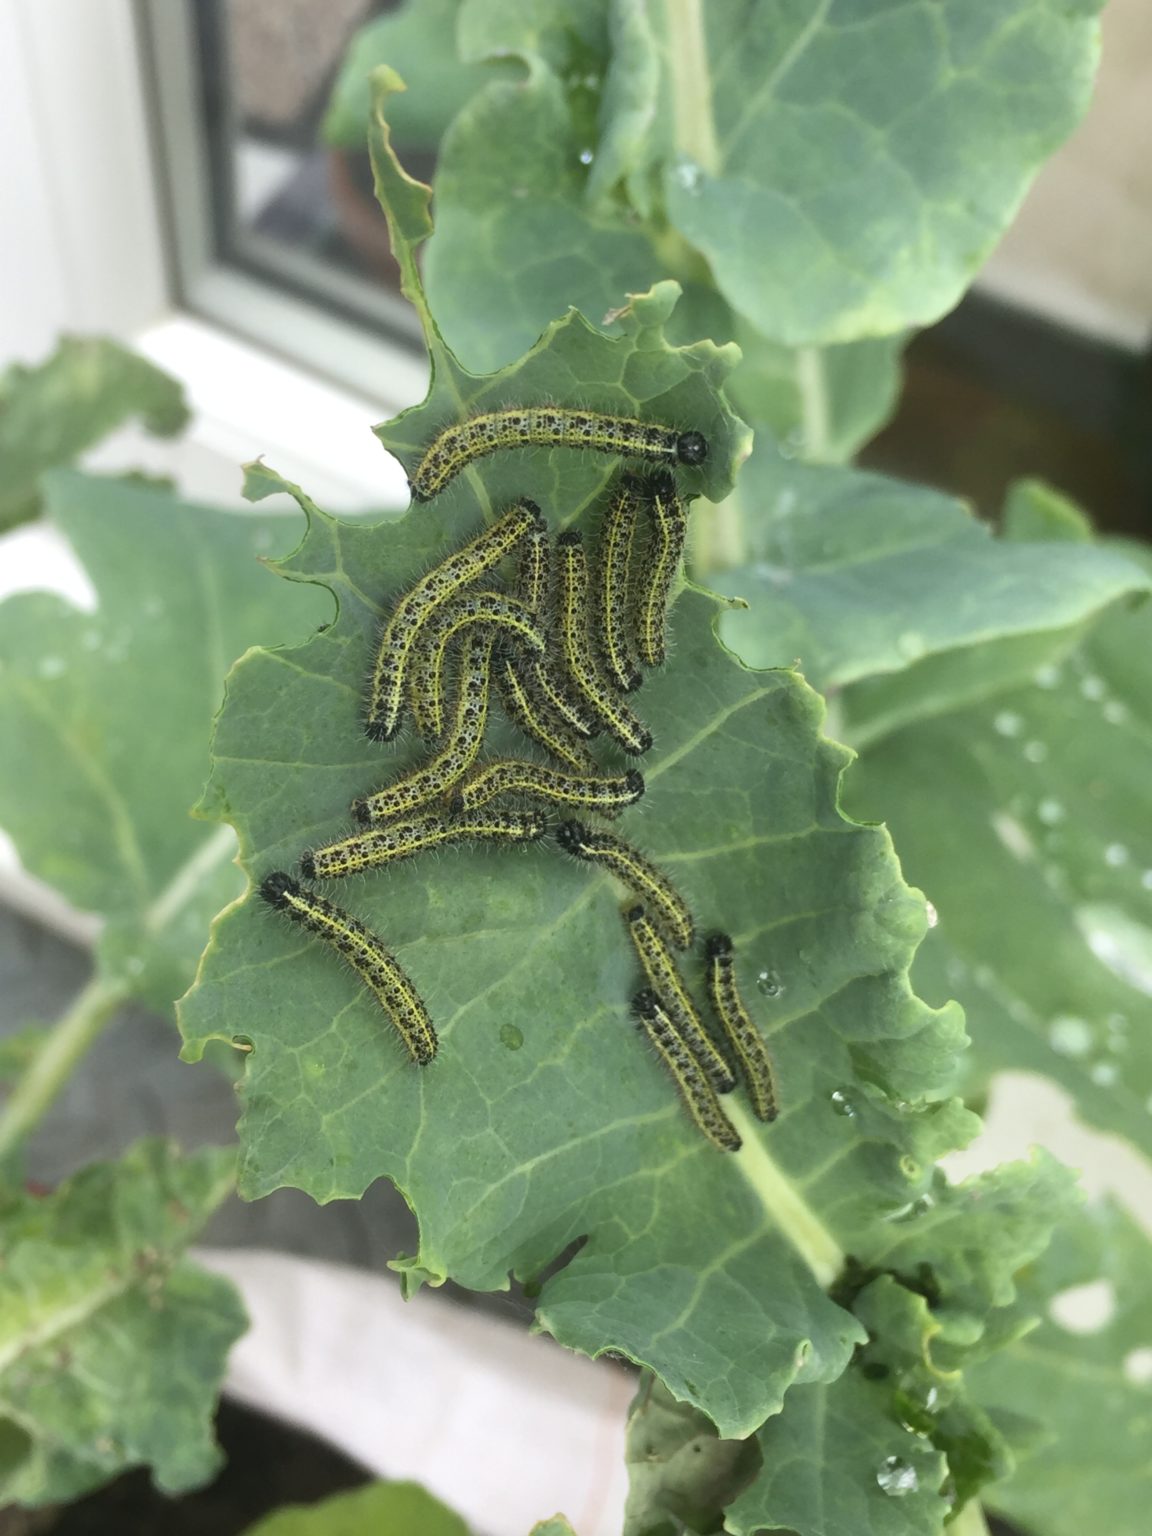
560	645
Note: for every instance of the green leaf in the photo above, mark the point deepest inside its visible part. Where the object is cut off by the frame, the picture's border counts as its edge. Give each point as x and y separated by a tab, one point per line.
51	413
855	576
418	41
115	710
557	1526
1091	1390
112	1345
846	167
570	1130
379	1509
1041	870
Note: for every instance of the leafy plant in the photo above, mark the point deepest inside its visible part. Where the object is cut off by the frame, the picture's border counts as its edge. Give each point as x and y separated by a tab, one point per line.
748	218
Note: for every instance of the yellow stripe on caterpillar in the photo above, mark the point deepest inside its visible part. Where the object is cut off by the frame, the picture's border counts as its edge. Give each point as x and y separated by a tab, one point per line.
397	840
632	869
697	1092
670	526
613	606
666	981
512	776
743	1037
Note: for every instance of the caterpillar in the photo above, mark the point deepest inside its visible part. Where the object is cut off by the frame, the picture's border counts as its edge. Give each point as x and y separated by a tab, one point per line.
402	839
671	526
666	981
742	1035
695	1089
510	776
534	572
435	777
525	705
364	952
412	612
426	671
613	613
460	444
639	874
579	662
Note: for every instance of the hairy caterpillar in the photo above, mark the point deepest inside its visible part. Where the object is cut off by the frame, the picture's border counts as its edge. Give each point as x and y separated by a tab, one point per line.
695	1089
666	981
744	1038
671	526
526	706
364	952
398	840
460	444
435	777
510	776
579	661
420	602
613	609
639	874
512	618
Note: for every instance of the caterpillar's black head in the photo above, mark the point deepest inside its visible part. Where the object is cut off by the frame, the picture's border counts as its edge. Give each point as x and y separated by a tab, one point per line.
691	447
717	945
661	482
376	730
570	538
635	782
360	811
635	913
646	1005
277	887
308	865
571	835
534	507
643	741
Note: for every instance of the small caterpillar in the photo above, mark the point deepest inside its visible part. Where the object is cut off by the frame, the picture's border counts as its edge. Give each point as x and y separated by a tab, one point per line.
745	1039
526	706
435	777
438	586
460	444
639	874
613	587
364	952
534	572
579	661
671	526
426	671
510	776
666	981
697	1092
398	840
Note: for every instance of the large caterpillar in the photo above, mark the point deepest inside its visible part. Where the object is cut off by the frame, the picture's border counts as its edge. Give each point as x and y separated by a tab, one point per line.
745	1039
632	869
613	618
695	1089
459	445
670	527
397	840
365	953
511	776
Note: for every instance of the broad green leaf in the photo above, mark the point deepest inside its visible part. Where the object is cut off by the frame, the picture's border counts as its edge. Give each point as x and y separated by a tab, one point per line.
1091	1390
49	414
379	1509
419	42
680	1473
1041	868
854	576
845	167
105	717
557	1526
708	1268
112	1345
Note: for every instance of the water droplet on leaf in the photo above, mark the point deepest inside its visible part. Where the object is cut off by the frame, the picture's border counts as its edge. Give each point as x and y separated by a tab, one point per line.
897	1477
769	983
842	1104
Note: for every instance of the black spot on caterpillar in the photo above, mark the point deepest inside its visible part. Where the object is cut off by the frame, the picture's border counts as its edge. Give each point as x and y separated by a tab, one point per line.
462	443
510	776
632	869
364	952
666	981
670	525
613	607
579	662
695	1089
434	778
743	1037
398	840
420	602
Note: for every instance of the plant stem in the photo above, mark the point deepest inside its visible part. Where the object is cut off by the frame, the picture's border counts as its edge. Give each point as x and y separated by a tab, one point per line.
691	84
970	1521
72	1037
798	1222
814	404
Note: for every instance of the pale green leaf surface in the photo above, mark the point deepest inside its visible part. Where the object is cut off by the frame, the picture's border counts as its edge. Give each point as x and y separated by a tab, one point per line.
112	1345
1041	871
556	1526
105	717
846	166
1091	1390
379	1509
419	42
50	413
854	575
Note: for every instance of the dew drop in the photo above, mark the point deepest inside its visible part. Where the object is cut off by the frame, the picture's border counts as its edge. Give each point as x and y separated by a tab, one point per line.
1035	751
842	1104
1070	1036
587	156
931	913
769	983
1092	687
1008	723
897	1477
688	175
1050	812
511	1037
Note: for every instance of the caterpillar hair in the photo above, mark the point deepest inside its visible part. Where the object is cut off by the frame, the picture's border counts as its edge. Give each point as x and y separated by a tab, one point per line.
398	840
511	776
670	525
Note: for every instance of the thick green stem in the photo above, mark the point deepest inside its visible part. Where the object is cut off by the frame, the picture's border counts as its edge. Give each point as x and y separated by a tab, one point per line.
816	427
695	124
717	536
70	1040
970	1521
795	1219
